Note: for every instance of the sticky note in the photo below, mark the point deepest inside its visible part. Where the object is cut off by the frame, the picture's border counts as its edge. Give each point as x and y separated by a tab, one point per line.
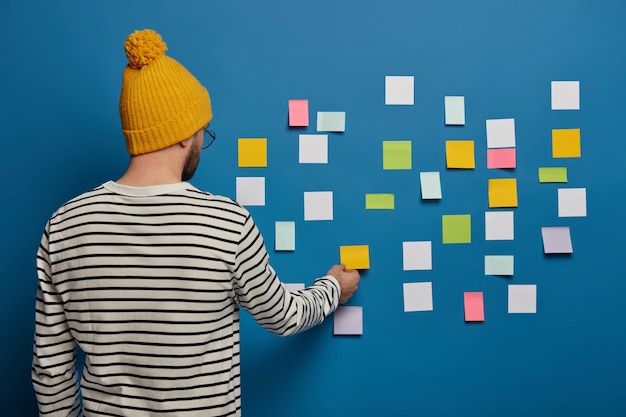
565	95
397	154
456	228
501	158
474	306
417	256
566	143
430	184
502	192
556	240
294	287
501	133
355	257
455	110
460	154
499	265
399	90
522	298
499	225
379	201
418	296
285	236
298	112
572	202
252	152
318	205
250	191
556	174
313	149
331	121
348	321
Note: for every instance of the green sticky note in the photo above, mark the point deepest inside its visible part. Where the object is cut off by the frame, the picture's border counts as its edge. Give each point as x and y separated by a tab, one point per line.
397	154
331	121
456	228
499	265
553	174
379	201
285	236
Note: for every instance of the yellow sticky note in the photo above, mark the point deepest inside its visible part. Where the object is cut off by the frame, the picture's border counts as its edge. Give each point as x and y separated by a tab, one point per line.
502	192
460	154
566	143
355	257
252	152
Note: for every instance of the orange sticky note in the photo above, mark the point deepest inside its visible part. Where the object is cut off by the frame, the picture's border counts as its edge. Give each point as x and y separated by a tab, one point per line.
474	306
501	158
460	154
502	192
566	143
298	112
355	257
252	152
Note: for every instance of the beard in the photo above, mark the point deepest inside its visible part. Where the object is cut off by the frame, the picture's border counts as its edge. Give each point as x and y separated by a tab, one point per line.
191	163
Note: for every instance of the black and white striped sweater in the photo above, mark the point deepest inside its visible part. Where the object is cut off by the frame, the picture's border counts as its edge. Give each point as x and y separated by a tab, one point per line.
148	282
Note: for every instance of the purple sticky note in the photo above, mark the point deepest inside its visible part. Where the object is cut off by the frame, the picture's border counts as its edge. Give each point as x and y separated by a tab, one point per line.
556	240
348	321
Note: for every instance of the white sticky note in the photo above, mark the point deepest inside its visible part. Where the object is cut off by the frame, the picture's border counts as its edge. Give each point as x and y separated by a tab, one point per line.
348	321
556	240
285	236
418	296
499	265
417	256
522	298
499	225
318	205
399	90
572	202
250	191
313	149
294	287
455	110
501	133
430	184
565	95
331	121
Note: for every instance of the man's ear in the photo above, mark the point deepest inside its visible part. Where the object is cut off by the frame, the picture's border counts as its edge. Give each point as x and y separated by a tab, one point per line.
185	142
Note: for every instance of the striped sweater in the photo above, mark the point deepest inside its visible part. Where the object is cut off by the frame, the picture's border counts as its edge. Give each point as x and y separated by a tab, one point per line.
148	281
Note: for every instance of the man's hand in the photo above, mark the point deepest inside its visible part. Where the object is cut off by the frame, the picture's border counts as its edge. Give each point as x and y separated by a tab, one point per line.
348	281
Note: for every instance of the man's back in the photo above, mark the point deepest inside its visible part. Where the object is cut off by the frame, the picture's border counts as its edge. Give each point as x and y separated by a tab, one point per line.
148	280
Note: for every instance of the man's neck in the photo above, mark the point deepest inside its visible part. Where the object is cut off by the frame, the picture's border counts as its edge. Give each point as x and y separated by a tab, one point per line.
150	169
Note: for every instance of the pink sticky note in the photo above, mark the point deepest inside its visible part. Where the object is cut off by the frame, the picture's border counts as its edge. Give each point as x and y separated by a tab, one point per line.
474	307
298	112
501	158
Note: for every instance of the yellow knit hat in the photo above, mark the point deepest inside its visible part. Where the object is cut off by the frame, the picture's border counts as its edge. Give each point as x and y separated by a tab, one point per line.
161	102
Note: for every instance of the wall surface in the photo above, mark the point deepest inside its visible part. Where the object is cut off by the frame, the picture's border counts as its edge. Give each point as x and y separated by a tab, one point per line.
62	66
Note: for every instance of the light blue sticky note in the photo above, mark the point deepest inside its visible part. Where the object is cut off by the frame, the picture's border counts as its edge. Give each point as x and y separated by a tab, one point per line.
455	110
285	236
331	121
499	265
430	183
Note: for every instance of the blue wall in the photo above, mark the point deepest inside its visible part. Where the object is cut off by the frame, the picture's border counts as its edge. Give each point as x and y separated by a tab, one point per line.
62	66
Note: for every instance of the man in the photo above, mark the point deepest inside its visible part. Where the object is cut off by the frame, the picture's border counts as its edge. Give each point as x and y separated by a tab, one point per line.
146	274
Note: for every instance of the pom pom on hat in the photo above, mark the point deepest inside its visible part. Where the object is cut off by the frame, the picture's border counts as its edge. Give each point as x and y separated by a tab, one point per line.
161	102
143	47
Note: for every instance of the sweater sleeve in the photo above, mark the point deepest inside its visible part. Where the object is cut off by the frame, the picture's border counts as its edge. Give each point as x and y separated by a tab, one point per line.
260	292
54	357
